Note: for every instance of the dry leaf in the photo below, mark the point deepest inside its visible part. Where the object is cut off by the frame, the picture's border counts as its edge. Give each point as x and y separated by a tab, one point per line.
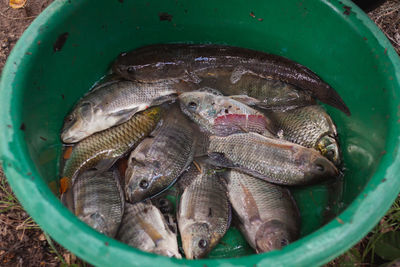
42	237
17	3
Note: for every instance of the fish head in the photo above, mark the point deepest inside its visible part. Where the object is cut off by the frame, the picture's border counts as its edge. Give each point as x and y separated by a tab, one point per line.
197	240
200	107
143	181
97	221
124	66
272	235
75	124
319	168
164	205
329	148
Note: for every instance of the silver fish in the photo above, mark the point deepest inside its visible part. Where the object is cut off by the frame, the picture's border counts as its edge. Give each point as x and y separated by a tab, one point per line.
113	103
273	160
310	127
268	215
99	201
221	115
143	226
203	213
157	162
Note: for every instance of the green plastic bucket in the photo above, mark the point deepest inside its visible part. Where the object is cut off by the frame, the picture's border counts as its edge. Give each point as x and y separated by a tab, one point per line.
72	43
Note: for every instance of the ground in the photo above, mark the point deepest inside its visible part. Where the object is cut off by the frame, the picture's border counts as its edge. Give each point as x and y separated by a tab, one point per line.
22	243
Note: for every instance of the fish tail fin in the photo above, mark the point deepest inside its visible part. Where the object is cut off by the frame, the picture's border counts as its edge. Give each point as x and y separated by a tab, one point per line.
332	98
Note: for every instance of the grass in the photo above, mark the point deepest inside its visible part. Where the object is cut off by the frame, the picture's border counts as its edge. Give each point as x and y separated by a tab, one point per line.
365	252
389	223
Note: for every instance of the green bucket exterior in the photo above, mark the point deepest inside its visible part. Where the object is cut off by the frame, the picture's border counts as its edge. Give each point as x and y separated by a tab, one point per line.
45	76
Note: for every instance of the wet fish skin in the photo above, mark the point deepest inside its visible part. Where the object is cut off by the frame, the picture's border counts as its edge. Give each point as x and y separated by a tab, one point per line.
273	160
143	226
268	215
158	161
188	176
99	201
311	127
167	208
261	92
203	213
102	149
197	62
113	103
222	115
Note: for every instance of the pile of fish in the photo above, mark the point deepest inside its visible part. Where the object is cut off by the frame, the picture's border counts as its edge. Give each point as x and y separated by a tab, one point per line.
223	129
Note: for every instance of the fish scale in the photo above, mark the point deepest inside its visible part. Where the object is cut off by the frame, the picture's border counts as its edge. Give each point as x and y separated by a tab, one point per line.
161	159
112	104
99	194
257	203
304	126
269	94
143	226
274	160
273	201
111	143
203	202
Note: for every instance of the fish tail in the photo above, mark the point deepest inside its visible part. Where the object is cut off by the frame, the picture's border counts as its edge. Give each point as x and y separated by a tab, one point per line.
332	98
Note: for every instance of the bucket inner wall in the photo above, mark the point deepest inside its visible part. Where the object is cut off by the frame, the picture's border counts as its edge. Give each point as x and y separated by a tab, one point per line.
77	48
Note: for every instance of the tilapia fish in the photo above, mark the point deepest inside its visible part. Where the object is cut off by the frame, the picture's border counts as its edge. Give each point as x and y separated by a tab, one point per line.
264	93
188	176
203	213
113	103
310	127
158	161
197	63
99	201
268	216
221	115
164	202
273	160
143	227
102	149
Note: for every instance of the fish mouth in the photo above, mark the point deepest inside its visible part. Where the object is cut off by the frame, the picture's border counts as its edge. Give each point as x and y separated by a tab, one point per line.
73	135
68	139
169	253
323	167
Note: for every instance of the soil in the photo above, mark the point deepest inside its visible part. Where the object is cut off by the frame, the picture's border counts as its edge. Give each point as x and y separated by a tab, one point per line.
22	243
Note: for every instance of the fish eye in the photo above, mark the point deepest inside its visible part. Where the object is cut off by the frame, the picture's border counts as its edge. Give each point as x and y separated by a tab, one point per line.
130	69
202	243
69	118
143	184
192	105
284	242
163	202
329	153
319	167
